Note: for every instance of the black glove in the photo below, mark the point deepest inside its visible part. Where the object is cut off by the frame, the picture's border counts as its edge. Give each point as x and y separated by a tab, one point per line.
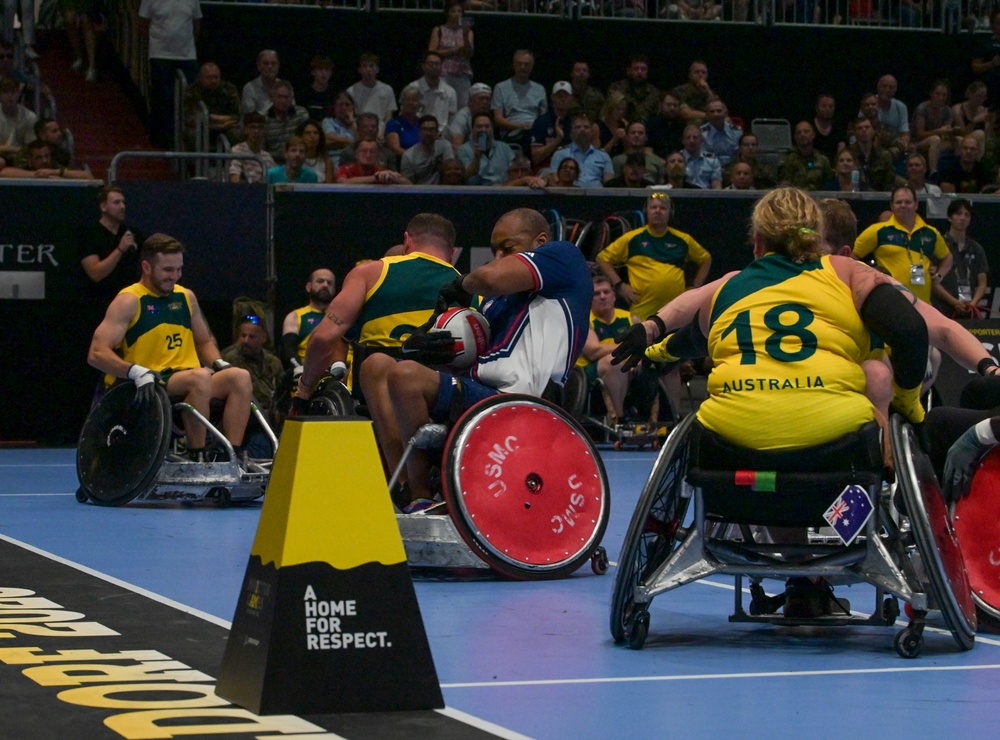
300	407
963	459
145	384
429	348
453	293
631	350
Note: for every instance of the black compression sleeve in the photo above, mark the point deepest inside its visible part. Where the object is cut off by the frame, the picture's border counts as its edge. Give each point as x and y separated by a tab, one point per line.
289	349
690	342
893	318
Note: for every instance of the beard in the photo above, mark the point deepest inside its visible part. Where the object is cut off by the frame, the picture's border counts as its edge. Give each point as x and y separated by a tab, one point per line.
323	295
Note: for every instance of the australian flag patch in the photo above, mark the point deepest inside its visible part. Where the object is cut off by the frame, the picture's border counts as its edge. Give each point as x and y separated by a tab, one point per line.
849	513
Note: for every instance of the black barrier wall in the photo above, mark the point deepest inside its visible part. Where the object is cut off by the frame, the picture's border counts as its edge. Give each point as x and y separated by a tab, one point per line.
46	382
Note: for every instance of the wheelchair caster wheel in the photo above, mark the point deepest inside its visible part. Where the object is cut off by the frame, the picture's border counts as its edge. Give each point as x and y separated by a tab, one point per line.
639	630
908	644
890	610
82	495
599	561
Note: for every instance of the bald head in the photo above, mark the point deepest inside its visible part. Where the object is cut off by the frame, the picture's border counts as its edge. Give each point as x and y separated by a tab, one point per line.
520	230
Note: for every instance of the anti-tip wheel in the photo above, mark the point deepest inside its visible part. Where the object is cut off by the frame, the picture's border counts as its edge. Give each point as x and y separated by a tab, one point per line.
639	630
599	562
908	644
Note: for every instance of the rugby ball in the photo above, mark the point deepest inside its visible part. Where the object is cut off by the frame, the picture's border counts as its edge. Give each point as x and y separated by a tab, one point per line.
471	333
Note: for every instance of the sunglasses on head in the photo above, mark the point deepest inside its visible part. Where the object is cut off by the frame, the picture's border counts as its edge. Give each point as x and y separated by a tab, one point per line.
253	319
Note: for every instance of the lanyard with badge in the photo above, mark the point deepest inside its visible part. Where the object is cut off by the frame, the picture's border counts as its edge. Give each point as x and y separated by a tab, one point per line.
964	276
917	274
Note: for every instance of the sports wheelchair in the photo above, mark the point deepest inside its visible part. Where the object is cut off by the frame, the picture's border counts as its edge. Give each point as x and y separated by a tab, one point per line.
524	489
131	453
912	556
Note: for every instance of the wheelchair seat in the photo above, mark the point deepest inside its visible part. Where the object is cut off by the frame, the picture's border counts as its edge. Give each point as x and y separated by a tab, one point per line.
733	488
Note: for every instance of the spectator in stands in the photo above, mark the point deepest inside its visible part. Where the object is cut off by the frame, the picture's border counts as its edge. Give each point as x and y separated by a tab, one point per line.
830	135
250	353
703	169
551	129
585	95
339	128
371	95
222	101
256	96
250	170
916	175
967	175
565	175
634	169
874	163
452	173
885	137
403	131
986	61
37	160
594	164
170	28
959	292
460	128
282	119
82	34
485	160
317	158
25	10
108	248
292	171
421	163
437	97
635	143
763	173
608	131
676	172
972	117
365	169
843	174
741	177
367	125
8	68
643	99
934	131
17	123
695	93
804	167
699	10
318	97
518	101
892	112
455	44
666	128
49	131
720	137
519	175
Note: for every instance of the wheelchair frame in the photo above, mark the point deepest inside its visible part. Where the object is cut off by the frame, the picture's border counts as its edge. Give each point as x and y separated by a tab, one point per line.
661	552
164	475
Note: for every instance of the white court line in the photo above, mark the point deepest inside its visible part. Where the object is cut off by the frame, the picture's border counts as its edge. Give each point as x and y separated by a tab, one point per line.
35	494
455	714
716	676
123	584
482	724
37	465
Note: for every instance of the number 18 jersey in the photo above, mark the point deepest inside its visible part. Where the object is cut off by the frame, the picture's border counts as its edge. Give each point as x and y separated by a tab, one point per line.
787	343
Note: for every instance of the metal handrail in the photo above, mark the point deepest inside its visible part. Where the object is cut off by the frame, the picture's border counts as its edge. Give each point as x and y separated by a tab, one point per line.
178	157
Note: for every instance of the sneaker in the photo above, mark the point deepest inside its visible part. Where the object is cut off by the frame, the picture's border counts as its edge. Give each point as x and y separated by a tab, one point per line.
77	65
806	599
418	505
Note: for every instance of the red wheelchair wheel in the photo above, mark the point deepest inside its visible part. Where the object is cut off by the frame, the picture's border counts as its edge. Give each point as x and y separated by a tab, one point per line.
525	487
977	526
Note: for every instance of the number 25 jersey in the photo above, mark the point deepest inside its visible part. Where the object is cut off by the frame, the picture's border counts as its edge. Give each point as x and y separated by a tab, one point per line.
787	343
159	336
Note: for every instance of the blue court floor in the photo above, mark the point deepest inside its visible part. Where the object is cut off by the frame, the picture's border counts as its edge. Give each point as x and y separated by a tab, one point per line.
536	658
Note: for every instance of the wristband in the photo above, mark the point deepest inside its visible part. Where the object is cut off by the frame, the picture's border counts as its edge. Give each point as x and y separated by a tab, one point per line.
136	371
660	326
984	364
984	432
220	364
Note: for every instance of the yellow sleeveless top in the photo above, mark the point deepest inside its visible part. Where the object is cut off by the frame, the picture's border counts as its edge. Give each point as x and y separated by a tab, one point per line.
787	343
